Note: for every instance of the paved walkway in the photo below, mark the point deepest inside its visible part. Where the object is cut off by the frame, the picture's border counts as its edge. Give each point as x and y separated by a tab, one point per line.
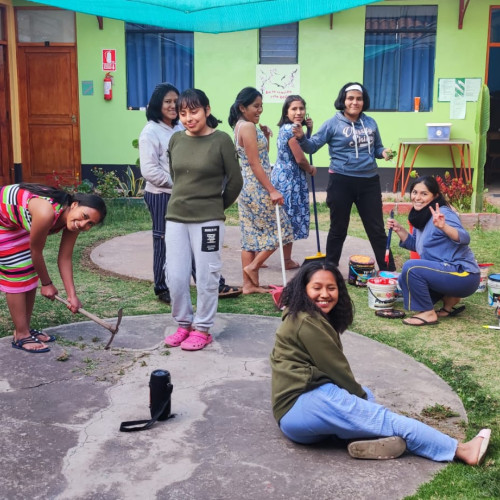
136	256
60	419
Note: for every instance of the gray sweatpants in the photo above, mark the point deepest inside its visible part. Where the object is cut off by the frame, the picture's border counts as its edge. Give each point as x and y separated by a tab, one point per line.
201	242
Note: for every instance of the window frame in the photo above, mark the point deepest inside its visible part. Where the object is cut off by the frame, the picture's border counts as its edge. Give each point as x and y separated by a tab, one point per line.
144	89
269	36
403	32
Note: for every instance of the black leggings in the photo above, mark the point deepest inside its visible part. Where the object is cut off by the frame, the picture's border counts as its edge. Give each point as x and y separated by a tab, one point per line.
365	193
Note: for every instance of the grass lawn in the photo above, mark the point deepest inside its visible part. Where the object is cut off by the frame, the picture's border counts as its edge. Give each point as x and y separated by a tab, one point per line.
458	349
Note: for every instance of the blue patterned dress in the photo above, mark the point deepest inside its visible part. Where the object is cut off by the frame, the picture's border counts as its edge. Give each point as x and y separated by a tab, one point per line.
259	230
291	181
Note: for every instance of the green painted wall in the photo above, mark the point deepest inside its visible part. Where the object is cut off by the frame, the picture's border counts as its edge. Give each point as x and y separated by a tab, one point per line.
328	58
107	127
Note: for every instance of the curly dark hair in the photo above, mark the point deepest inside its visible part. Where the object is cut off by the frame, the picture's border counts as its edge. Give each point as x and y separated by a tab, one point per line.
294	296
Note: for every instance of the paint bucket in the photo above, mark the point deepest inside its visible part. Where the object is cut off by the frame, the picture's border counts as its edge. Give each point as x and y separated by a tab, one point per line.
381	293
393	275
484	277
361	269
494	290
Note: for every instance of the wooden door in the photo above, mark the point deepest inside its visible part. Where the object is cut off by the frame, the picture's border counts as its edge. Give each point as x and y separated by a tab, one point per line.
6	166
48	108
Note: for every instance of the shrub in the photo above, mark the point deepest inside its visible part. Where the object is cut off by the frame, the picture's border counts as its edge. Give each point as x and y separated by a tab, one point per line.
107	183
456	191
63	180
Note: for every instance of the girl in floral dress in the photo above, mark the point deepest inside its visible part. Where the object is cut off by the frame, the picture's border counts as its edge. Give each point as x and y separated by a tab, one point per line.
259	235
289	172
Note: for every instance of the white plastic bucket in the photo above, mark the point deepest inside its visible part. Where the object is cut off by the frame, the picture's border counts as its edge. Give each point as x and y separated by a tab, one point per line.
394	275
494	290
484	277
381	293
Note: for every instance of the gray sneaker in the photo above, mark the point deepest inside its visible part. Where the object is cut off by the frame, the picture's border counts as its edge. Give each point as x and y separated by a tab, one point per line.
377	449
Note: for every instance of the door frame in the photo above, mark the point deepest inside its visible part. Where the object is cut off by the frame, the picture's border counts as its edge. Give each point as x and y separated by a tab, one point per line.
24	132
6	159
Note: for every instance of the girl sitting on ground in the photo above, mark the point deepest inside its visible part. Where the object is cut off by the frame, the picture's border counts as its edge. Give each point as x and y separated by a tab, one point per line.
315	394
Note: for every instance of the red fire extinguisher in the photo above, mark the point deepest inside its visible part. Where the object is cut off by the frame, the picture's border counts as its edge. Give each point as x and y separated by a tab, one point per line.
108	91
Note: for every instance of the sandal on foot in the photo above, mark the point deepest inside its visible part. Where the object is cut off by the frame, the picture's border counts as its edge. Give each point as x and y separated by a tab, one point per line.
485	434
19	344
454	311
196	341
36	333
424	322
229	292
177	338
377	449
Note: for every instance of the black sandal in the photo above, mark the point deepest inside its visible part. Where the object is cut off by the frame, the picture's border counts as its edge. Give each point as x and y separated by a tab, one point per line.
454	311
229	292
36	333
19	344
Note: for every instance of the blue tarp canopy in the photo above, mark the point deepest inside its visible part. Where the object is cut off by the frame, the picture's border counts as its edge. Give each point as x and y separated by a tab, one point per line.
208	16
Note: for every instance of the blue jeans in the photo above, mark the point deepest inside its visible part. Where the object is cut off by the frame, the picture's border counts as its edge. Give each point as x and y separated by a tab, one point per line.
329	410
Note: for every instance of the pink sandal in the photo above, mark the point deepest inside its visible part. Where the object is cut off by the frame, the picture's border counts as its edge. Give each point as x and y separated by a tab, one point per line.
177	338
196	341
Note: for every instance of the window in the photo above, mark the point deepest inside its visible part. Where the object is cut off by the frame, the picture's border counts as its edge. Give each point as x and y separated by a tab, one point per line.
400	47
494	52
156	55
278	44
45	25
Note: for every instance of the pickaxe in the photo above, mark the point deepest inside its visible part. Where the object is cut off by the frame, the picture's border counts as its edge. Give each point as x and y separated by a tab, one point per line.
111	328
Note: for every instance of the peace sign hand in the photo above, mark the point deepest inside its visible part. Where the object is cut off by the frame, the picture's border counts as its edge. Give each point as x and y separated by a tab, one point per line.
437	217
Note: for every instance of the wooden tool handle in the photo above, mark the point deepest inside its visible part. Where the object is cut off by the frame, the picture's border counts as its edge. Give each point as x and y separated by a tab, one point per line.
91	316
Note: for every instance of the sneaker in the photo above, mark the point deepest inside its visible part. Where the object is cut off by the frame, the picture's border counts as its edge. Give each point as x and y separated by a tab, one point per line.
377	449
177	338
196	341
164	296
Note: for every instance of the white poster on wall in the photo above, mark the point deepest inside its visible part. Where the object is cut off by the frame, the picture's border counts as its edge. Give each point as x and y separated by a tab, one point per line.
277	81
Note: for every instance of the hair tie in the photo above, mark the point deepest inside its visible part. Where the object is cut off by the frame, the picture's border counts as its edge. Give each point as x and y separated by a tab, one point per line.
354	87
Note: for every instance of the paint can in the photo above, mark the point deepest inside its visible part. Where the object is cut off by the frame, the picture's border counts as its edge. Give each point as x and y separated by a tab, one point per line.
484	277
393	275
361	269
494	290
381	293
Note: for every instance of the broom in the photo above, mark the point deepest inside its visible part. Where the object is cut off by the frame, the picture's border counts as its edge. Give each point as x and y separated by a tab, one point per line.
319	257
276	291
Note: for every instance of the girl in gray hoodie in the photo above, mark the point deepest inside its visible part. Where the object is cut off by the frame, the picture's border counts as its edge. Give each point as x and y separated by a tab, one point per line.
354	143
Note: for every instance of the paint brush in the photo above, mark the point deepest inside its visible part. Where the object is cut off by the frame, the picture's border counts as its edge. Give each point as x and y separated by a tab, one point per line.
388	246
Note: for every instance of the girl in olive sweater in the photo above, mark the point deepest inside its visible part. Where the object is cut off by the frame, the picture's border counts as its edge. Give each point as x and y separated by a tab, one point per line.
206	180
315	394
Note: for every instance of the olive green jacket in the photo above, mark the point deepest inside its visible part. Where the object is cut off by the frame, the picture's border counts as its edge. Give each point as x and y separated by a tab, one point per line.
307	353
206	175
